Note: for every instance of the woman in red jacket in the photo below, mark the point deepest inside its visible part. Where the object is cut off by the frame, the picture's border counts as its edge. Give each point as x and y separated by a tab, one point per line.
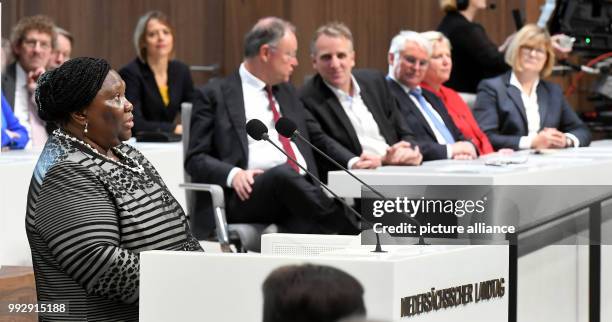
438	72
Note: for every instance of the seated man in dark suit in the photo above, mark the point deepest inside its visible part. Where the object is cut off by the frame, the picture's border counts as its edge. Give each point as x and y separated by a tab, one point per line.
355	108
261	185
427	117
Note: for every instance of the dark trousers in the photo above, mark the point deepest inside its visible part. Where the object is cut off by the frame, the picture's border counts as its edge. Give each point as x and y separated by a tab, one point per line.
282	196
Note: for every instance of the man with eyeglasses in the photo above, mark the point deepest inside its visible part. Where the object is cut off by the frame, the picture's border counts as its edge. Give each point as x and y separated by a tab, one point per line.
354	106
32	41
261	185
436	133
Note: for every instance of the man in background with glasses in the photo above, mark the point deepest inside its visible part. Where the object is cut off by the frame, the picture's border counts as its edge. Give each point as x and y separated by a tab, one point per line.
354	107
436	133
32	41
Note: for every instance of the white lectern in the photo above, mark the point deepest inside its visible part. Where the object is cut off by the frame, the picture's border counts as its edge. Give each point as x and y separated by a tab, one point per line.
184	286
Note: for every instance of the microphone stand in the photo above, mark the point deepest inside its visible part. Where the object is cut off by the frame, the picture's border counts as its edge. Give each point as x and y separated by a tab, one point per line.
378	248
380	195
298	134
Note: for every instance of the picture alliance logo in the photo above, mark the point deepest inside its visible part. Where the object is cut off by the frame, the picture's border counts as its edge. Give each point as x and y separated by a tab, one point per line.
414	207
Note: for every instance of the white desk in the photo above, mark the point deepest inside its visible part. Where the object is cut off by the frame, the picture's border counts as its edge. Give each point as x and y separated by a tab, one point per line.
582	166
16	171
540	273
189	286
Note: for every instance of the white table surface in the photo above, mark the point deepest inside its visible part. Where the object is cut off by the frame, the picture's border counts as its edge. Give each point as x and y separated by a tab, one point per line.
579	166
552	281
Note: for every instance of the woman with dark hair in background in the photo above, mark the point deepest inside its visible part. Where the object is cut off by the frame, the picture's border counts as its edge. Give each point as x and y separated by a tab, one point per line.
475	56
94	203
155	83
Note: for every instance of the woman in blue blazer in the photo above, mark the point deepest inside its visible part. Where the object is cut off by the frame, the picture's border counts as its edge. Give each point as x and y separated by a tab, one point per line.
14	135
156	84
520	110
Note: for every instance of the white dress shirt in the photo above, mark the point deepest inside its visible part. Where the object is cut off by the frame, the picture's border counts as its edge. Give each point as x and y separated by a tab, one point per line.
26	111
262	155
532	111
362	120
437	134
21	98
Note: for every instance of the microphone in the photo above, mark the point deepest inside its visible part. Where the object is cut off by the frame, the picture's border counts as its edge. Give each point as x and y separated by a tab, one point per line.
285	127
492	6
259	131
288	128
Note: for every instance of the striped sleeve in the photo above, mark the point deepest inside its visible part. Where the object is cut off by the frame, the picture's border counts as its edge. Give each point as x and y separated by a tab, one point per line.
78	221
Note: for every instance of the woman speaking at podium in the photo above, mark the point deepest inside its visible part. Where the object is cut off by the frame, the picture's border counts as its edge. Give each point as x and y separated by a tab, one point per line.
94	203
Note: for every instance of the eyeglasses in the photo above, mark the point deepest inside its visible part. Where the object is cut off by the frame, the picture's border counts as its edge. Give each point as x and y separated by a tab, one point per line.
32	43
413	61
529	49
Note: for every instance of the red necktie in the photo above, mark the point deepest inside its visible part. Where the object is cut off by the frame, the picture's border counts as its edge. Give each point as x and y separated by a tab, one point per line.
284	141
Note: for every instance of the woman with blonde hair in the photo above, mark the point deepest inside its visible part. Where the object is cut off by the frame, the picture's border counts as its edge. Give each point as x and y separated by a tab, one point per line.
520	110
438	72
155	83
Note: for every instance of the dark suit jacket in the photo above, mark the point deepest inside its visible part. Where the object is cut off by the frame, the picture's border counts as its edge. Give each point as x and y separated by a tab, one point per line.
150	113
426	139
218	139
327	110
9	78
475	56
500	112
